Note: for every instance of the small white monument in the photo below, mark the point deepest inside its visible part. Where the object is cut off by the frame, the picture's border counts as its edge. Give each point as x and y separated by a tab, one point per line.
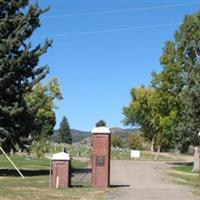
135	154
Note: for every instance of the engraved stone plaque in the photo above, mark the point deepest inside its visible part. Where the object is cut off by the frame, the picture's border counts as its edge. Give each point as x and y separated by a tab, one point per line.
100	160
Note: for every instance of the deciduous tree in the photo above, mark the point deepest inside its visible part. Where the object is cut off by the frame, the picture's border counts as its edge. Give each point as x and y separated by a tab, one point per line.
44	96
140	112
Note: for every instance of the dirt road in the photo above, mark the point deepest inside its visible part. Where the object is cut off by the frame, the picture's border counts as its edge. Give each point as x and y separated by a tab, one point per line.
142	180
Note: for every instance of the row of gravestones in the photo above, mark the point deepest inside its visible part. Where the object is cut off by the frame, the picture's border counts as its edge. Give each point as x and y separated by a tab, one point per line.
61	167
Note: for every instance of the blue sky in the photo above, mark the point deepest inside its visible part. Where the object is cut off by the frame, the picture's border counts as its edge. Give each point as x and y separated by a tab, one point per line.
103	48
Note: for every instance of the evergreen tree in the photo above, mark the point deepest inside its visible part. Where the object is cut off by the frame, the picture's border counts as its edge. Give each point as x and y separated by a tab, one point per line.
64	132
19	70
100	123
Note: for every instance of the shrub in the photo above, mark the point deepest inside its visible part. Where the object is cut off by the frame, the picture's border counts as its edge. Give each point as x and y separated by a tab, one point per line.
40	147
117	141
135	141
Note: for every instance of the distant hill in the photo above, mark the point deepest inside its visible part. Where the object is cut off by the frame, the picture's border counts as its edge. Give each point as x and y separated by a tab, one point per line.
117	130
114	130
78	132
78	135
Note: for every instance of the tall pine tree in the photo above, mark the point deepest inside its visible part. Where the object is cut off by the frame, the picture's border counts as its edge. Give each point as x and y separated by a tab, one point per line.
19	70
64	132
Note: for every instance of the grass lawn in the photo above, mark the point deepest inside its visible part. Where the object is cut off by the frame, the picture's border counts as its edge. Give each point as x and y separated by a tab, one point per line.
183	174
27	162
36	183
145	156
37	187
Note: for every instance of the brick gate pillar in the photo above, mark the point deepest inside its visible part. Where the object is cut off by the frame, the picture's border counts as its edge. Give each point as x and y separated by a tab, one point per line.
100	157
60	170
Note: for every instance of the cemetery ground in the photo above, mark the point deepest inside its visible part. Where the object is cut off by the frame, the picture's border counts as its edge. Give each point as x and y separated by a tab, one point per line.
169	178
36	182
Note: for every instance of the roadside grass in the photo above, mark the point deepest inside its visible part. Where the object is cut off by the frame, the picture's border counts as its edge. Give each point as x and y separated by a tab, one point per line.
36	182
38	188
187	168
145	156
182	174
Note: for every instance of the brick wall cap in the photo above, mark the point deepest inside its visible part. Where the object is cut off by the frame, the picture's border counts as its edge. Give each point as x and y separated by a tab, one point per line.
61	156
101	129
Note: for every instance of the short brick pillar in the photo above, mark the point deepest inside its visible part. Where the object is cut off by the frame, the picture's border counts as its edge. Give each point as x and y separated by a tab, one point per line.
100	157
61	170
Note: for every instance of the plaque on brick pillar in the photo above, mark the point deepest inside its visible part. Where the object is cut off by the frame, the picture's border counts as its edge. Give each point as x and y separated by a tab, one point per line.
100	157
100	160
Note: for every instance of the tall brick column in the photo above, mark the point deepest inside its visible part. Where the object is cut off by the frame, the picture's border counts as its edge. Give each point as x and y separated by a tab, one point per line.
100	157
60	170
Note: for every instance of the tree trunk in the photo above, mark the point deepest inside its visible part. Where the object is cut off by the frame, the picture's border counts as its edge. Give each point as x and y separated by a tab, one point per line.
152	145
157	154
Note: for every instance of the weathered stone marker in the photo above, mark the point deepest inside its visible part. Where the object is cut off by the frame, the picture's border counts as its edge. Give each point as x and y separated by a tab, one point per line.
61	170
101	157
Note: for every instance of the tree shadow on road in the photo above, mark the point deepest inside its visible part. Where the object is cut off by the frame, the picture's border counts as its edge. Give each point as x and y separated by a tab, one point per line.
25	172
181	163
118	186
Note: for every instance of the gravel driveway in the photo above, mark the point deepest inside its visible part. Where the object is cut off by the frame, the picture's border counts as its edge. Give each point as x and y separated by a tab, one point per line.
143	180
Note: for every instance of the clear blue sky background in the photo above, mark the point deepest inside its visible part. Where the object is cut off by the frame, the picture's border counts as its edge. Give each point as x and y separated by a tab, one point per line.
103	48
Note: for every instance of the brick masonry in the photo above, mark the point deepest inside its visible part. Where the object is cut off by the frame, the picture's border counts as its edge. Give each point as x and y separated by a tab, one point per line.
100	159
61	174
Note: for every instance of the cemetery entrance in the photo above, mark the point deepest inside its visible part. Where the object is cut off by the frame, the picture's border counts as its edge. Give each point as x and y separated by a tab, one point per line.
81	172
91	165
93	170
